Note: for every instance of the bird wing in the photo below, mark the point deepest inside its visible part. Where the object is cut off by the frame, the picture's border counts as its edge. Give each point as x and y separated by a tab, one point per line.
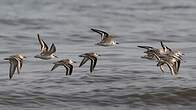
171	68
177	64
52	48
54	67
21	63
102	33
146	47
67	69
93	63
165	47
43	45
156	56
85	59
161	68
13	65
70	69
18	64
91	66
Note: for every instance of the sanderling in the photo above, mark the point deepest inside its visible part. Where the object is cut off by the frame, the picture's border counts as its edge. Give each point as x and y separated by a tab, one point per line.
89	56
15	63
151	50
44	52
106	39
67	63
164	56
172	62
177	54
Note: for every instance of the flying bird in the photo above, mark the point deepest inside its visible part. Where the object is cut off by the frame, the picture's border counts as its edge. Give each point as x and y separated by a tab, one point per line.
158	51
172	63
67	63
164	56
106	39
45	52
16	62
89	56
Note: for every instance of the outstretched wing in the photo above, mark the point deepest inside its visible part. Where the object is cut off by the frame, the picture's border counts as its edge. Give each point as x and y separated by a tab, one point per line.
146	47
93	63
13	65
70	69
165	47
54	67
52	48
102	33
171	68
67	69
178	65
43	45
18	64
85	59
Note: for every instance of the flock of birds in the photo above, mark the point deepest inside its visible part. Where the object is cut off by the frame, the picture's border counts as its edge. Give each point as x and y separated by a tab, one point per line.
164	56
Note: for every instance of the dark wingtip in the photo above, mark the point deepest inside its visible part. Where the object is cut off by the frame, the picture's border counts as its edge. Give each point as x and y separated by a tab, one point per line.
161	43
6	59
53	45
37	34
140	46
91	70
10	77
145	47
70	73
93	29
80	65
80	55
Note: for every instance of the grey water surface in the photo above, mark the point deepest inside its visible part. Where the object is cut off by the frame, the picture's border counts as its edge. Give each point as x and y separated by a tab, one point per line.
121	80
